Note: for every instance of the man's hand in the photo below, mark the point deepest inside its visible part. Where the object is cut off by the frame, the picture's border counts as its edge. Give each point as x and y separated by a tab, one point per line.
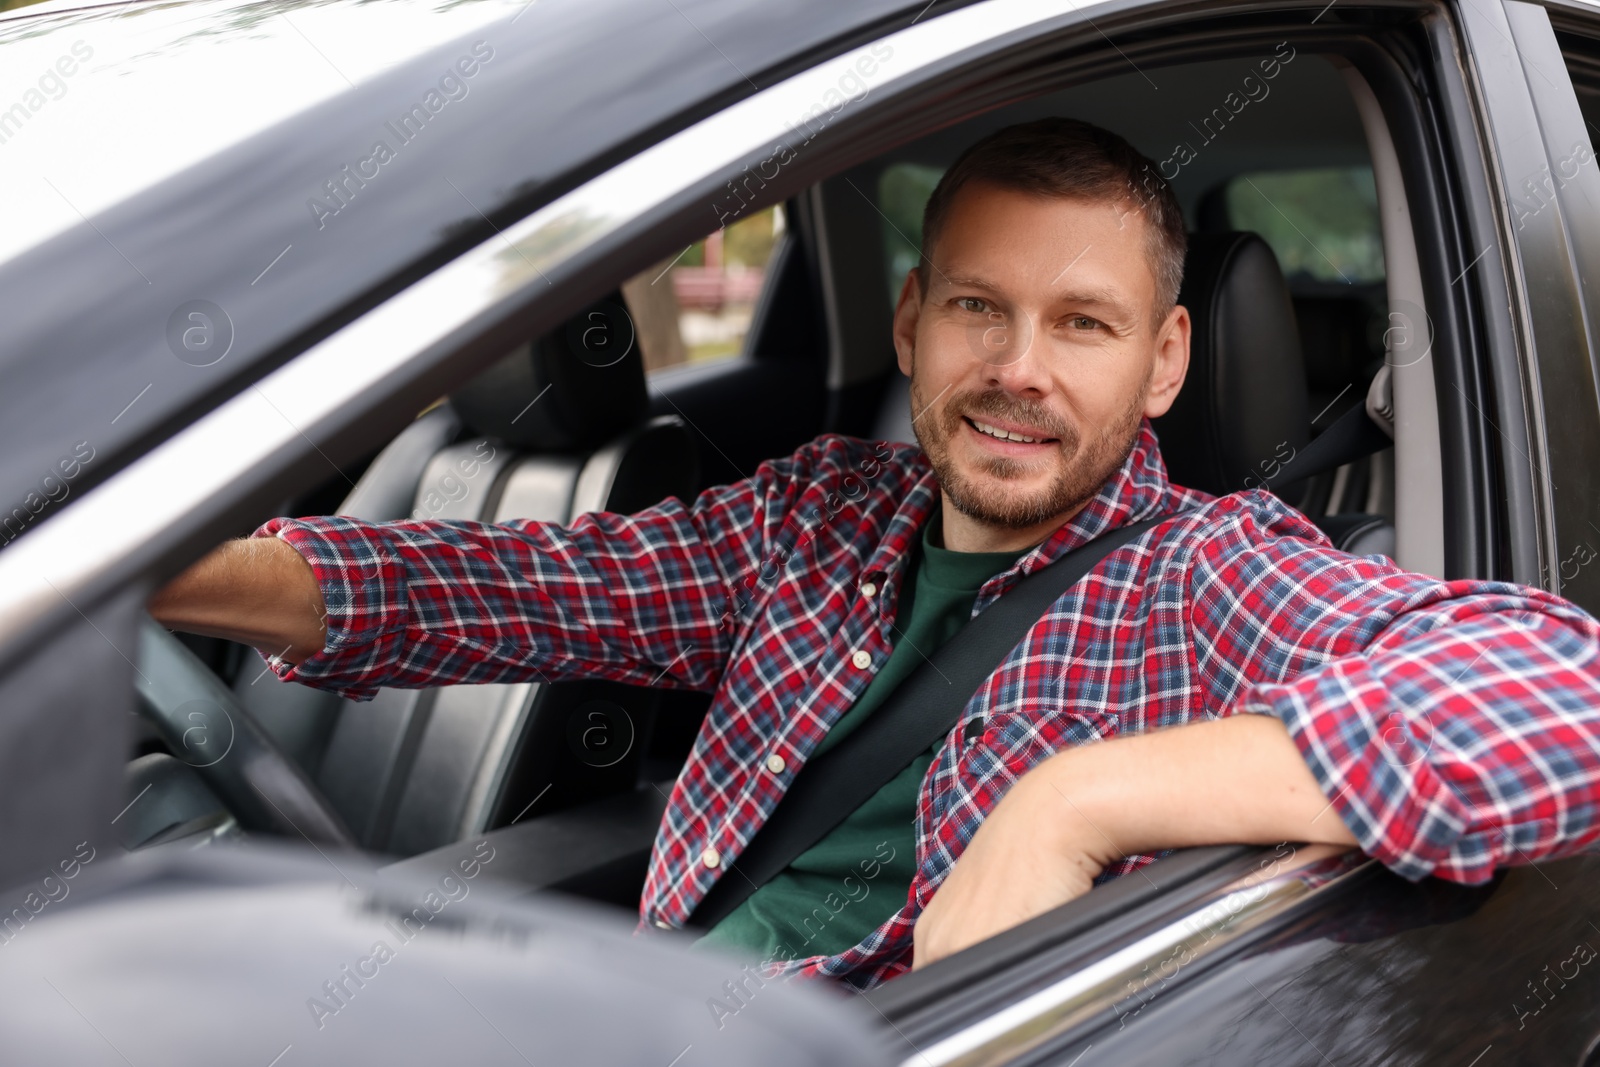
1035	851
257	591
1238	780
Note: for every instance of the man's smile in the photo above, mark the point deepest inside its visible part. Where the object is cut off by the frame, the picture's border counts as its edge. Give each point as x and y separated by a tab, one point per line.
1007	438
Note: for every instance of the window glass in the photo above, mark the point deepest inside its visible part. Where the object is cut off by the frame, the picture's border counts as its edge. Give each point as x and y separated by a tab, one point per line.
1322	224
697	306
903	191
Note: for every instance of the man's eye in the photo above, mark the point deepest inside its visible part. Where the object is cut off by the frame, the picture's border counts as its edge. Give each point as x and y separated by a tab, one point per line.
1083	322
972	304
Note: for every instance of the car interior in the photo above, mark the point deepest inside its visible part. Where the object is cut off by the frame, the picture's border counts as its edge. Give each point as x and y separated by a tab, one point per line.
1285	279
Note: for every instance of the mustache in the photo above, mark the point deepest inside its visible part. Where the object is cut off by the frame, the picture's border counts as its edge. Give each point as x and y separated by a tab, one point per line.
997	404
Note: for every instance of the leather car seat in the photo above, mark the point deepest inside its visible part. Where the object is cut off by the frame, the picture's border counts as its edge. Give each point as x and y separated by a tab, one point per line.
557	428
1244	406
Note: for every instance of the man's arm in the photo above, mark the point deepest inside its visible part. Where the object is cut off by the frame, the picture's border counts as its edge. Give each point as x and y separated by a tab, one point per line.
425	603
257	591
657	597
1238	780
1453	725
1447	728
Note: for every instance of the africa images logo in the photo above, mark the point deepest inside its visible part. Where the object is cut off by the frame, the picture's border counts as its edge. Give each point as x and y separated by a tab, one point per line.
340	190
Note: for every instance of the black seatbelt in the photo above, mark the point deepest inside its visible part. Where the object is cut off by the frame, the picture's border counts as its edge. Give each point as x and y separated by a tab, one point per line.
920	711
1350	437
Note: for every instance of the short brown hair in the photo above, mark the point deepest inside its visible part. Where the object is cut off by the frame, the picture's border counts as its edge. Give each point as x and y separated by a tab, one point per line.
1069	158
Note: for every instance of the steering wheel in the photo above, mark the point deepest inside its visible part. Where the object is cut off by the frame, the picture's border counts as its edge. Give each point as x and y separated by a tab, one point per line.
206	726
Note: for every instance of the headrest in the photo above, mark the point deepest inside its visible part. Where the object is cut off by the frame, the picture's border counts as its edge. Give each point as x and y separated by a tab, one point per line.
573	389
1243	408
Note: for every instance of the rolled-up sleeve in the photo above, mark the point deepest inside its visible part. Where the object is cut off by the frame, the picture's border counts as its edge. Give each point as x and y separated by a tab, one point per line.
639	598
1453	725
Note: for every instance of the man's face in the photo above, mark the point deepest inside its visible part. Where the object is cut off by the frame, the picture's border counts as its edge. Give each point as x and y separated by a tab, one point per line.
1038	322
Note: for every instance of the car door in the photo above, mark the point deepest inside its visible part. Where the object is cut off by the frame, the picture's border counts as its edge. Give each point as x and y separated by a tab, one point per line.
412	342
1353	964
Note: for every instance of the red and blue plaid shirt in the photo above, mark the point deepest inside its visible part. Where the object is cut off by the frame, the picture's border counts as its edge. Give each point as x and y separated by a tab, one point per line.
1454	726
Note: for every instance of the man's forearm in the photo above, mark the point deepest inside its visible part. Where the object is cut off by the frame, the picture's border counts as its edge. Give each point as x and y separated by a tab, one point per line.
258	591
1238	780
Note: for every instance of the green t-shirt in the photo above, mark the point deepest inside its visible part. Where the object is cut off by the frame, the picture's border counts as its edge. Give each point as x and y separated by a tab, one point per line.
849	883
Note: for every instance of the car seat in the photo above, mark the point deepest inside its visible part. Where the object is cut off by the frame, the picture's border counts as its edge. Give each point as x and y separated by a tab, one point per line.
558	427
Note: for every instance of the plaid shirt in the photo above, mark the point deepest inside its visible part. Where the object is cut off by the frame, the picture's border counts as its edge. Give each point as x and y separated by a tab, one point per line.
1455	726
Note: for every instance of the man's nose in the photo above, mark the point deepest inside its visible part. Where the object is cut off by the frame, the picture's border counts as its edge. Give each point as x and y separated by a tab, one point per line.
1013	353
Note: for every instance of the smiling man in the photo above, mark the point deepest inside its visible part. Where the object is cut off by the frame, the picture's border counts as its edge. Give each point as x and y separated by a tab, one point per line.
1226	676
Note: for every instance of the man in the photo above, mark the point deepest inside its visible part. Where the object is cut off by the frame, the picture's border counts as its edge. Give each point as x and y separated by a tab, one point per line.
1241	680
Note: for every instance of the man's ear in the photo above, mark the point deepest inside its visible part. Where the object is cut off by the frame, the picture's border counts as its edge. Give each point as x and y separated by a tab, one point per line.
906	313
1172	362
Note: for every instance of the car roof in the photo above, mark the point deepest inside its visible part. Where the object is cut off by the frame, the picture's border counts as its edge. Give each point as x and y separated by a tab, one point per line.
92	342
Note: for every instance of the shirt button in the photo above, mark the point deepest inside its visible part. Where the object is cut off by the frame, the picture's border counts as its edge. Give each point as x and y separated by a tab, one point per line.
663	924
869	589
775	763
710	858
861	658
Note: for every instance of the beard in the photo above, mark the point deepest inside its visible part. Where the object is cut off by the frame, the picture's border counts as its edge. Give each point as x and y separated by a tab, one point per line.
1082	465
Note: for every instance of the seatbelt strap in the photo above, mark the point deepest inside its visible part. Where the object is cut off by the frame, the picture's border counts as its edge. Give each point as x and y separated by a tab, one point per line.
1351	436
921	710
